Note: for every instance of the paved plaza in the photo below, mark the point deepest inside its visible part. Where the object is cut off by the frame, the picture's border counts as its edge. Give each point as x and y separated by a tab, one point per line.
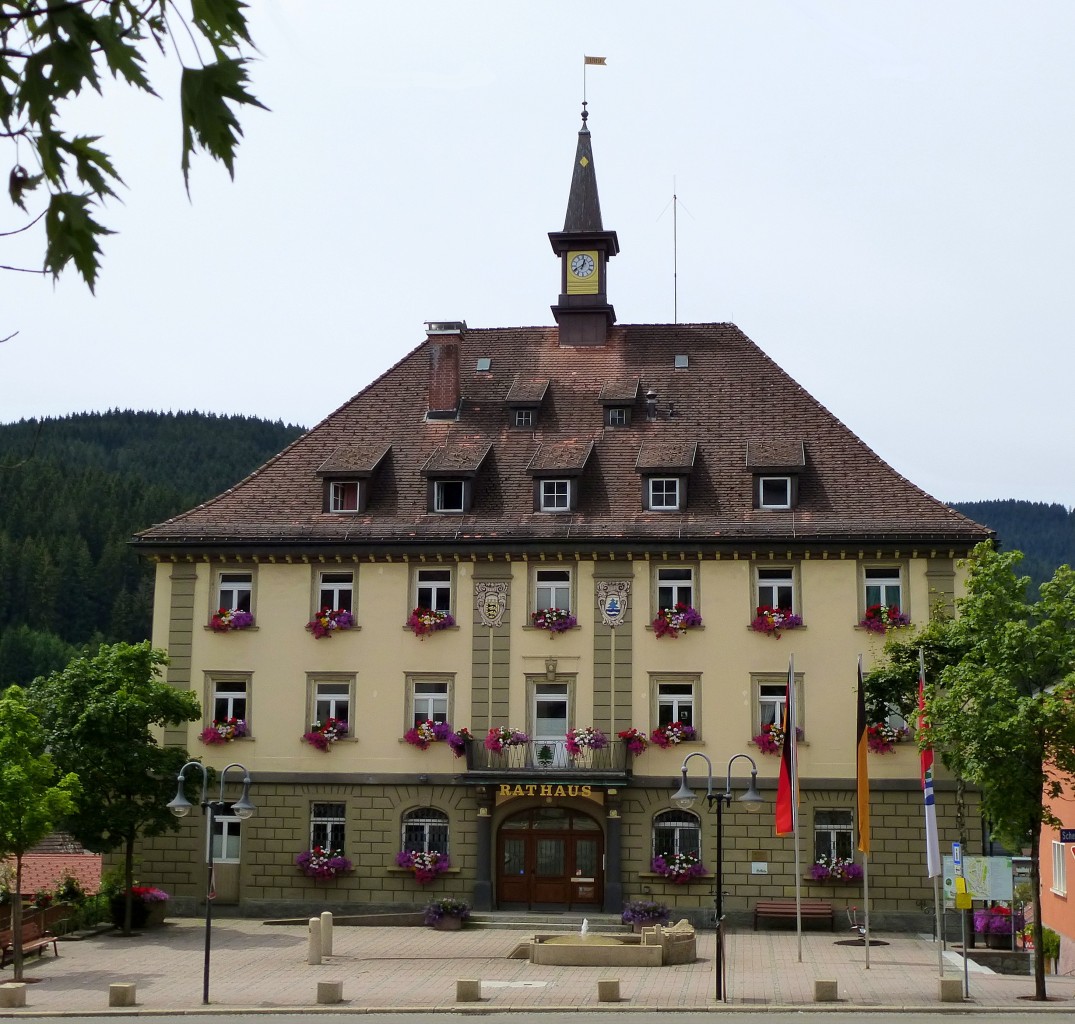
263	967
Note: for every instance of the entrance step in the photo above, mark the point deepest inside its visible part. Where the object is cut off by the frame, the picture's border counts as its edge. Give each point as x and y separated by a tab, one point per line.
548	923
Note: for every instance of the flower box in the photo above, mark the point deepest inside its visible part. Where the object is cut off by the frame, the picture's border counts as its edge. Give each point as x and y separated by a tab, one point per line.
672	734
881	618
774	621
635	739
673	621
426	865
585	740
447	914
425	621
501	737
882	738
321	864
835	869
771	739
555	620
327	621
644	914
226	620
223	730
679	868
323	734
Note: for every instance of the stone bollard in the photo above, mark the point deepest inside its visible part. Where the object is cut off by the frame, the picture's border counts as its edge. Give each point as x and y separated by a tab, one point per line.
326	933
13	994
313	949
951	990
608	990
121	993
824	991
468	990
330	991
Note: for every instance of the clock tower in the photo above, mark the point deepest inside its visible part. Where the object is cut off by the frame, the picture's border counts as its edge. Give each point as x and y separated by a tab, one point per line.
582	311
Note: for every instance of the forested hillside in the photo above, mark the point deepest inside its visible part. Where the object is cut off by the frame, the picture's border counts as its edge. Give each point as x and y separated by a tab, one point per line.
73	491
1044	533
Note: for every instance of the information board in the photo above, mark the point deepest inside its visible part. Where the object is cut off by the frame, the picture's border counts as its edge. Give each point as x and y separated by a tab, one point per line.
988	878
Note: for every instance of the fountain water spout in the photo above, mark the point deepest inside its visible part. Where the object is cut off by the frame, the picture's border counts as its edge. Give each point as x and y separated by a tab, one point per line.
585	929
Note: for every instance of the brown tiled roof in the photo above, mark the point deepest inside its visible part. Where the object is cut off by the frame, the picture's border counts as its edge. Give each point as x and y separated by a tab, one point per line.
526	392
729	397
619	392
463	457
666	455
568	457
779	454
359	459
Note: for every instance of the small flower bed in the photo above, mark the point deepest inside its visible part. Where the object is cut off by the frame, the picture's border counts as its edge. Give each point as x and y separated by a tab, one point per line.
424	621
225	619
771	738
679	868
997	920
636	740
555	620
327	621
585	737
673	621
880	619
501	736
149	894
882	737
425	865
449	906
427	732
223	730
458	740
672	734
323	734
774	621
322	863
835	869
645	912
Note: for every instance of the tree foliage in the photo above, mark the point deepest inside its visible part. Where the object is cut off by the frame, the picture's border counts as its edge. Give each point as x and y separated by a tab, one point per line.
50	52
100	713
32	799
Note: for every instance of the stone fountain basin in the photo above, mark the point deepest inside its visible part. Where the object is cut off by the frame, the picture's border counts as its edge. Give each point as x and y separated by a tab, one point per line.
591	951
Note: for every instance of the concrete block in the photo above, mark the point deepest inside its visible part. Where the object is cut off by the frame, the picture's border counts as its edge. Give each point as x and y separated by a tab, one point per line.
608	990
950	990
468	990
13	994
330	991
121	993
824	991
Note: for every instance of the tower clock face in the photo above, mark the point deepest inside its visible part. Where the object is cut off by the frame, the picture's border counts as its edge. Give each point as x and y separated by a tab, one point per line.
582	264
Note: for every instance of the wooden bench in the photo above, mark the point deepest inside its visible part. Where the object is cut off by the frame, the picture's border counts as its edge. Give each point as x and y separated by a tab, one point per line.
784	910
34	940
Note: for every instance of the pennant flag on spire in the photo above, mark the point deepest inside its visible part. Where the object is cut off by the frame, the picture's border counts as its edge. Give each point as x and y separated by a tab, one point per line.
862	774
787	789
933	848
593	60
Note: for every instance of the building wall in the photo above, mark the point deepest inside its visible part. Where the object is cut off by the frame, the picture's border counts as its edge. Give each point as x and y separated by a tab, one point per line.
1057	893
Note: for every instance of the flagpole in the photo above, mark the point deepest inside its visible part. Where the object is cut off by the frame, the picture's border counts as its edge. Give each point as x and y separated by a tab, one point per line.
862	801
793	726
933	852
940	924
866	901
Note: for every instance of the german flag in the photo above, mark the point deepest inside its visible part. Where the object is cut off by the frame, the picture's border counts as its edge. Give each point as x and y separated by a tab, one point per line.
862	818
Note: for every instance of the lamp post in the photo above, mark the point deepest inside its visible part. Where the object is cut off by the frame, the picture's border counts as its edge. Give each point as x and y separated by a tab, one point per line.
684	798
242	809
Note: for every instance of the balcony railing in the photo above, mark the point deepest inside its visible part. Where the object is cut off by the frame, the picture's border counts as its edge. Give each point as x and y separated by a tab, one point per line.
547	756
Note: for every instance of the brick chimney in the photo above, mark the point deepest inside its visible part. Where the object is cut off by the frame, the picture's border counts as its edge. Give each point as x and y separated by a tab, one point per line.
445	341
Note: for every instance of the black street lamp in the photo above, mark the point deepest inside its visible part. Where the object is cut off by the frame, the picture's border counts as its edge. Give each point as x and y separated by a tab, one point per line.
684	798
242	809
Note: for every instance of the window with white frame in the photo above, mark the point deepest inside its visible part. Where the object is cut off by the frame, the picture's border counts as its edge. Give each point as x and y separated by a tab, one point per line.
675	702
429	700
675	585
771	700
235	590
343	496
676	832
769	697
776	588
331	699
617	416
774	492
230	699
524	418
832	834
226	838
1060	869
551	711
434	589
552	589
425	830
328	823
663	493
555	495
336	591
883	586
449	496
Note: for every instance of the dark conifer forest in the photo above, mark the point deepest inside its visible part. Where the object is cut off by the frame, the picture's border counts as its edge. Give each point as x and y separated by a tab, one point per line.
74	490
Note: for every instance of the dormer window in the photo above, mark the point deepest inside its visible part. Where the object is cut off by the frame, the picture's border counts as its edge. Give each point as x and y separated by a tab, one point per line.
450	495
774	492
556	469
450	473
618	416
663	493
344	496
665	467
524	418
555	495
348	474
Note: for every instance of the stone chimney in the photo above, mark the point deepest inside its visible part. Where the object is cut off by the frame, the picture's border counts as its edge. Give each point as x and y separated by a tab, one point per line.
445	341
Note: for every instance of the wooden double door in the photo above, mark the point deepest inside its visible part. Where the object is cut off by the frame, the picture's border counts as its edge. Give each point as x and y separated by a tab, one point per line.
550	858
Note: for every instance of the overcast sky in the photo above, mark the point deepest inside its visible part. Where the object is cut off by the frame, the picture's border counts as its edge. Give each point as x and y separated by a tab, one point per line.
880	195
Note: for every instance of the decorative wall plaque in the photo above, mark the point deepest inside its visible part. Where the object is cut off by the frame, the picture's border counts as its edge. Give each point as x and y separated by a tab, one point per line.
612	597
492	601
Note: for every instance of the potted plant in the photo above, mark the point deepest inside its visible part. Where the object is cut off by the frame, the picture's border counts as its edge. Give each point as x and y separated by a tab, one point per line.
882	737
679	868
555	620
425	621
149	905
673	621
636	740
771	738
328	620
583	741
426	864
672	734
773	621
223	730
881	618
427	732
323	734
225	620
321	864
996	924
459	740
644	914
502	736
447	914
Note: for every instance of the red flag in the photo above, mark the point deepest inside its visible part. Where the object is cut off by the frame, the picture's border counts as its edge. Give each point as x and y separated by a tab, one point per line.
787	788
933	848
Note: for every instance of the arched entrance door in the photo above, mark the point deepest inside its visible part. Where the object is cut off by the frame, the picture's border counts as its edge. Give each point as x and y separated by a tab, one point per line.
550	858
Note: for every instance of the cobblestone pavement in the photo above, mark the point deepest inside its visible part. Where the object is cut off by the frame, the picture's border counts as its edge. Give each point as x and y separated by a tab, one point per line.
263	967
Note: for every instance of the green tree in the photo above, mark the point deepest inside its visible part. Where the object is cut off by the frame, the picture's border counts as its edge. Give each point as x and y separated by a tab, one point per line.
49	52
101	712
32	800
1001	715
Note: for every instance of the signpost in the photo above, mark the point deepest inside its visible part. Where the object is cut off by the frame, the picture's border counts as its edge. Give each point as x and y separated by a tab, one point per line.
963	903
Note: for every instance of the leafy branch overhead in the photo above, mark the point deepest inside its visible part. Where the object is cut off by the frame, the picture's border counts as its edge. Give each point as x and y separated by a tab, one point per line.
50	52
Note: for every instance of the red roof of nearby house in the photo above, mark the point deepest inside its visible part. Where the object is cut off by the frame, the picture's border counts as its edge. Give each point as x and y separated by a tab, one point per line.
45	870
